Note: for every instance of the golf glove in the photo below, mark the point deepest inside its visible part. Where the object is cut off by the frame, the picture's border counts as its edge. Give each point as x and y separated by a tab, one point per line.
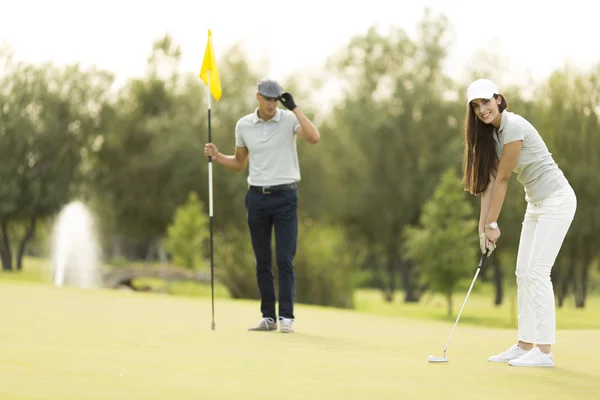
287	100
482	241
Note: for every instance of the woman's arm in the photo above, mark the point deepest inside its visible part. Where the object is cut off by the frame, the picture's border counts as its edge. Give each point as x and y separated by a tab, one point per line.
486	197
509	158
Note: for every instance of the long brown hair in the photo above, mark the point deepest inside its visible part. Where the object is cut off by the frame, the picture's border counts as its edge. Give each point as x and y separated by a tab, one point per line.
479	158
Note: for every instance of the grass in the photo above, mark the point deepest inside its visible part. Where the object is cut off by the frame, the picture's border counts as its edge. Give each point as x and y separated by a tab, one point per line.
35	270
67	343
479	310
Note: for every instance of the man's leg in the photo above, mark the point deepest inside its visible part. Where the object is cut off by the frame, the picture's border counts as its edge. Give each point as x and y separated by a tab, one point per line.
286	234
260	224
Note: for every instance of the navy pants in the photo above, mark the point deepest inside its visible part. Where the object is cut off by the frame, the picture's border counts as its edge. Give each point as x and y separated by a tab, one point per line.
277	210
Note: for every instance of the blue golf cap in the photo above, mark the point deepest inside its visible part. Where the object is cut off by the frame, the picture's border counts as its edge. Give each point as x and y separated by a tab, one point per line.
269	88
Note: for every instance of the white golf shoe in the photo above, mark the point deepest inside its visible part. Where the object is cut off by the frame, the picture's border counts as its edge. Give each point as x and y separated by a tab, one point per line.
286	325
533	358
510	354
265	324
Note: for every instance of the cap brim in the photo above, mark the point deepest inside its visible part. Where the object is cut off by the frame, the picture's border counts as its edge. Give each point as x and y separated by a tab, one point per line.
480	95
269	95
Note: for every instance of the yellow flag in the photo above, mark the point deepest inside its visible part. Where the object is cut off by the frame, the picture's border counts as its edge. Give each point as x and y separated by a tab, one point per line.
210	64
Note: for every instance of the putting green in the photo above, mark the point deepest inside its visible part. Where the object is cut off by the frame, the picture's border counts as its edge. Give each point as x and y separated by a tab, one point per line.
76	344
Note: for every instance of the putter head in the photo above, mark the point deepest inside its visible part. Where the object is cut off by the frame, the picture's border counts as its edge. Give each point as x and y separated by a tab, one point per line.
434	359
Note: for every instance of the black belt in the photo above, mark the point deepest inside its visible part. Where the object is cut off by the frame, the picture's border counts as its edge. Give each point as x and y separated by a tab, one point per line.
274	189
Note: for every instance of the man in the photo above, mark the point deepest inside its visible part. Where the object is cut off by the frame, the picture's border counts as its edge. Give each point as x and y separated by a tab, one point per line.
266	139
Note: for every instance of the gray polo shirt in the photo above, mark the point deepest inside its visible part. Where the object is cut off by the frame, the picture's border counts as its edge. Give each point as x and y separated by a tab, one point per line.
536	169
271	145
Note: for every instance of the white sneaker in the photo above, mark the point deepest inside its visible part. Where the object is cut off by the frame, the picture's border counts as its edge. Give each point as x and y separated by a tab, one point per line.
510	354
286	325
265	324
533	358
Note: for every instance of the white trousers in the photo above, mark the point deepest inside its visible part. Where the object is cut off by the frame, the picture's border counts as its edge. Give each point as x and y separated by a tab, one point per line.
544	228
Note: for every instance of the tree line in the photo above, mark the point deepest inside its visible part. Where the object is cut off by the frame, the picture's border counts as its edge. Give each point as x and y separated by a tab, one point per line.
391	144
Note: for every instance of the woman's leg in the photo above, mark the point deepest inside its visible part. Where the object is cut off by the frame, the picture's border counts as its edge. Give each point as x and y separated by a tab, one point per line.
553	217
526	333
544	229
526	316
556	214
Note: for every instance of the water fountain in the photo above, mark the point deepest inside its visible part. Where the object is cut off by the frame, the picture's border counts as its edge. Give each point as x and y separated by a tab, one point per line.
75	251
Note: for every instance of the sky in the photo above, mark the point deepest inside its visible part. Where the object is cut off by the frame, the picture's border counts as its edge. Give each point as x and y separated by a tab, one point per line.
294	36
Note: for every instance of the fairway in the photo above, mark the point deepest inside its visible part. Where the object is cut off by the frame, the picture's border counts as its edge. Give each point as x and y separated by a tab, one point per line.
75	344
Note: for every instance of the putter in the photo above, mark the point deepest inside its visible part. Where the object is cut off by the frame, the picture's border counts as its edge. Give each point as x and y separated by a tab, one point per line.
434	359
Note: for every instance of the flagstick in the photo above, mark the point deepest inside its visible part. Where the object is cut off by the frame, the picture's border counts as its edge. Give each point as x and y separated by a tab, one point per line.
210	212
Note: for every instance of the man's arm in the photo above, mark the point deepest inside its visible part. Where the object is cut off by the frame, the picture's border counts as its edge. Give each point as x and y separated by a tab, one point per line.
237	162
307	130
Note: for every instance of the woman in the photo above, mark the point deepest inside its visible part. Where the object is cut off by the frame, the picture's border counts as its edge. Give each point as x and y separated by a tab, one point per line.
498	142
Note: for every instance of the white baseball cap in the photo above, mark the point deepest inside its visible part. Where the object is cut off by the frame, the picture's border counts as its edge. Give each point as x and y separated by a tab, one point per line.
481	89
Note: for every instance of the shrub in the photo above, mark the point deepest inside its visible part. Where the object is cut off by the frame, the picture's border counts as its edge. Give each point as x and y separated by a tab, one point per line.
234	263
445	244
324	265
187	235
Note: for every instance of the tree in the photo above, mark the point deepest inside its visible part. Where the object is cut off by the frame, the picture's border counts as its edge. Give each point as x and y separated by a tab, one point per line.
398	132
569	120
48	124
188	233
136	162
445	243
151	155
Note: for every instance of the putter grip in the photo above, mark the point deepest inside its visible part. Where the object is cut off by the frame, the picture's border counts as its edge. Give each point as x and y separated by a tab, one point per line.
483	257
